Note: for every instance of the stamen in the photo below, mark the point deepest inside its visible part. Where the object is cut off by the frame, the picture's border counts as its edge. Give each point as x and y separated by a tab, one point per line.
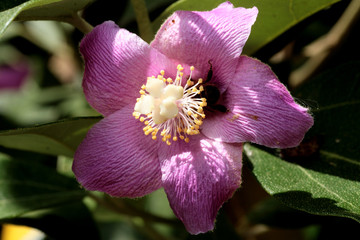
167	107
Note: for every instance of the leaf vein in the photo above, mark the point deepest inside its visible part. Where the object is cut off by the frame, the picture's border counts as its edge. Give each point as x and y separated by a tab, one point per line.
323	186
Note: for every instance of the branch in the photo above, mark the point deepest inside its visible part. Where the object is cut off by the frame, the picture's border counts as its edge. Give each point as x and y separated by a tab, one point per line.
320	50
143	20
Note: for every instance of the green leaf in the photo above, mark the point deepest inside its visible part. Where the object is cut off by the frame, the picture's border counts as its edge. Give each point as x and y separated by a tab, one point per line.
37	10
58	138
9	10
275	17
27	186
326	181
337	111
55	10
305	189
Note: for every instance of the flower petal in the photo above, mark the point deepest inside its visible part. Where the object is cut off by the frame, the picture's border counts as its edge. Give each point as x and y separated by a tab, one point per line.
117	158
198	177
261	110
196	38
117	63
13	76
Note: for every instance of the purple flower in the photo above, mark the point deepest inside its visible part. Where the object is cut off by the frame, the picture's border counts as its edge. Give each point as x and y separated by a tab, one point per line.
13	76
177	111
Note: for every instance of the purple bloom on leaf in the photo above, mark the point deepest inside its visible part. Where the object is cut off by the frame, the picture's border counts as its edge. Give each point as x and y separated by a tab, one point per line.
177	111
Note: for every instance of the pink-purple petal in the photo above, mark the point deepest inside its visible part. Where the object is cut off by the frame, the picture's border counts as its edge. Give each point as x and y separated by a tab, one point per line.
117	63
13	76
198	177
117	158
218	35
261	110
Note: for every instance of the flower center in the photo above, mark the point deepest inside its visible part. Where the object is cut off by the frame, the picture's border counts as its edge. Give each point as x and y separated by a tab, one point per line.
166	107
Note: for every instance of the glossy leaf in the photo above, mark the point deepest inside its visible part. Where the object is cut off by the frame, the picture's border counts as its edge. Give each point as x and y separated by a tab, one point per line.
26	187
323	175
275	17
37	10
306	189
58	138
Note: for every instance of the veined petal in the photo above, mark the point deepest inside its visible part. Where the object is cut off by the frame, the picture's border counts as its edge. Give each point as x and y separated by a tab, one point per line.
261	110
116	158
198	177
117	63
218	35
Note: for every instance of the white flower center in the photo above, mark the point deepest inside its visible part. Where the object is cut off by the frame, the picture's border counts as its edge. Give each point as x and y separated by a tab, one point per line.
166	107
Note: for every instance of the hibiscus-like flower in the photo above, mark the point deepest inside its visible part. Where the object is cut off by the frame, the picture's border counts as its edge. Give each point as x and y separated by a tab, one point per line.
177	111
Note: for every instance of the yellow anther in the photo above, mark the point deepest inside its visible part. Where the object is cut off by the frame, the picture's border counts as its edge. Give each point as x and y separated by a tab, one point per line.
180	68
189	103
200	80
150	130
203	104
198	122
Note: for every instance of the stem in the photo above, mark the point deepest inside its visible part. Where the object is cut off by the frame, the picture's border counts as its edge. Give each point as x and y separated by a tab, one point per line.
73	19
79	23
143	20
123	208
322	49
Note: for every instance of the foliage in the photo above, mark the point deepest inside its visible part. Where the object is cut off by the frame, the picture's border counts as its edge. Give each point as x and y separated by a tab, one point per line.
44	121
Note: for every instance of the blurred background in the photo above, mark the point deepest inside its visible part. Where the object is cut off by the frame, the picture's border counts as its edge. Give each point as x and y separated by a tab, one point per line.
40	82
